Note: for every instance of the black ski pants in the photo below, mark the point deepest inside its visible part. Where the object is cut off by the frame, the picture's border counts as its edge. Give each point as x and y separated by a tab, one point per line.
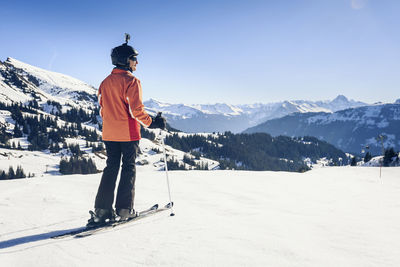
126	187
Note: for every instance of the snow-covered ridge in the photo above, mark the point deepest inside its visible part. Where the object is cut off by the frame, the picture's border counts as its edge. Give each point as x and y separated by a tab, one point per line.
374	115
303	106
21	82
49	80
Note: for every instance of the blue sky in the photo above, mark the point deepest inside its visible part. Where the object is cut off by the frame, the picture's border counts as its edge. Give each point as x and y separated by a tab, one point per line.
218	51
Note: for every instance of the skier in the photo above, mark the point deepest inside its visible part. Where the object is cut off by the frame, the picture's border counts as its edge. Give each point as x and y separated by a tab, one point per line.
122	111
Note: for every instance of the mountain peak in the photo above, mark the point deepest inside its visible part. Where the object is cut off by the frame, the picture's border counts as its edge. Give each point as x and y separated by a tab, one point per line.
153	103
152	100
340	98
11	59
21	65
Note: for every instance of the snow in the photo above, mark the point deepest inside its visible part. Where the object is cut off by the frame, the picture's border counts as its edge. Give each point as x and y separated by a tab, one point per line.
336	216
220	108
6	120
382	124
23	141
374	162
34	162
9	95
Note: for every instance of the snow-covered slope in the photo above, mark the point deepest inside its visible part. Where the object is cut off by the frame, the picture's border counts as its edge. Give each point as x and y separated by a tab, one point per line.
21	82
222	117
342	216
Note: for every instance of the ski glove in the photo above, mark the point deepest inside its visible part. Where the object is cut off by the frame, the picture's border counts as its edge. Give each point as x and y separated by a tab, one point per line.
158	122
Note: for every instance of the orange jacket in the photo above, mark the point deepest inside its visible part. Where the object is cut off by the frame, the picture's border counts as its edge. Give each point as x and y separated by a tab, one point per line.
121	107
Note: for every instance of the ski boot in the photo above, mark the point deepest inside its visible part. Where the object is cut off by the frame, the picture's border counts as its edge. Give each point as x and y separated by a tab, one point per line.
126	214
101	217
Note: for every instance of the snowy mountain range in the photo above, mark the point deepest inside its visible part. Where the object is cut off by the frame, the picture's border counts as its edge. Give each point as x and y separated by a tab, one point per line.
222	117
21	82
350	130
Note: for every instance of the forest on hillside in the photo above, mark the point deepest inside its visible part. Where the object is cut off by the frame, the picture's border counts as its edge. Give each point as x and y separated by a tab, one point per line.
258	151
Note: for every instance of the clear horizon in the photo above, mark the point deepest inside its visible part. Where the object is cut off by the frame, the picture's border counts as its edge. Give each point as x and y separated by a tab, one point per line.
232	52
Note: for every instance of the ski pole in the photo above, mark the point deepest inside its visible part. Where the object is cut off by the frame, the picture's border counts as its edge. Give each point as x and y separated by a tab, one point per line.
166	172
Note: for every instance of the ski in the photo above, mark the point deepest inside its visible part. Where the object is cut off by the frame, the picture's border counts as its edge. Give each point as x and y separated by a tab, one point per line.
140	215
82	230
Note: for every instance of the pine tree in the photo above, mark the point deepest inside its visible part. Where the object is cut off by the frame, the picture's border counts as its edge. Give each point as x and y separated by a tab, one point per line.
17	131
389	155
57	148
353	161
20	173
77	165
25	128
11	173
63	166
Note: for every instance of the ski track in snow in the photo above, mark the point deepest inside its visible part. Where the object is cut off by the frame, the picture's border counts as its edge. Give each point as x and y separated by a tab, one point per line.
336	216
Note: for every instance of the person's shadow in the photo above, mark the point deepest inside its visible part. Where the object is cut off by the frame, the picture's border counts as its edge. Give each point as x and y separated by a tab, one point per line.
34	238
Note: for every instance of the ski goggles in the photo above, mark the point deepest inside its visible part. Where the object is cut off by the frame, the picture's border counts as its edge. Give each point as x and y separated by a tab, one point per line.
134	58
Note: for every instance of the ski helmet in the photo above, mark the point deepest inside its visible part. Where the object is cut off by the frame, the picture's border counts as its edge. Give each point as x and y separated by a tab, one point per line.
120	55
